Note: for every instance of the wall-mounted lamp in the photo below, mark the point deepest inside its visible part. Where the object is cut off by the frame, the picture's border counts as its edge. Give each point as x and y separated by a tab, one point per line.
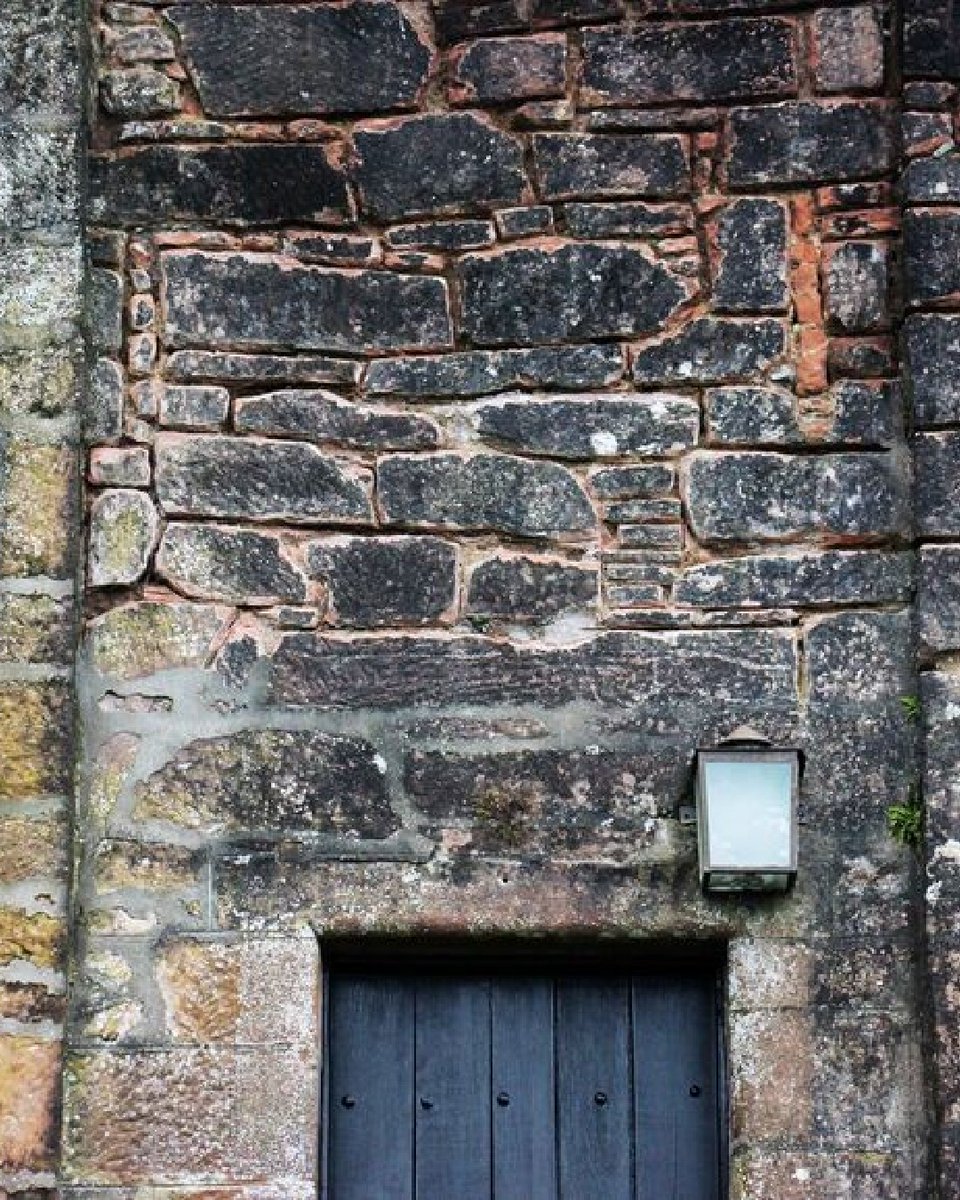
747	793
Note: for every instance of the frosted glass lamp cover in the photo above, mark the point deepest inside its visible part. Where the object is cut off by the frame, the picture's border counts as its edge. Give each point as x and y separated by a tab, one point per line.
747	817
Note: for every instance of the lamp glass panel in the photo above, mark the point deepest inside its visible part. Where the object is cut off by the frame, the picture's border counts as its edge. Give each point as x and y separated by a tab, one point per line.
749	813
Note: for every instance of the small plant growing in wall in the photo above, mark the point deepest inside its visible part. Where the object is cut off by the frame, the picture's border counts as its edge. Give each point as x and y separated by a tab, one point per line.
911	708
905	821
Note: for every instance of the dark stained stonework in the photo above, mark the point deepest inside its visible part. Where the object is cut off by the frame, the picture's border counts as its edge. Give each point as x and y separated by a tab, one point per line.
505	70
285	60
931	39
751	275
436	164
573	166
241	566
378	581
937	466
259	303
256	184
316	416
229	367
711	350
483	492
932	347
521	587
664	64
570	292
931	244
938	596
257	480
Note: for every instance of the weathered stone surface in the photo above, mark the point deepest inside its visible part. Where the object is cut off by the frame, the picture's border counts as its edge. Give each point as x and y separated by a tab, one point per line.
867	412
775	497
37	35
938	596
859	659
633	218
931	254
35	939
937	486
751	415
932	180
262	368
848	49
38	503
40	383
810	579
930	39
29	1086
193	407
139	92
36	740
249	991
253	302
148	636
155	185
239	566
711	350
932	345
318	59
571	291
150	867
483	492
437	163
35	628
663	64
474	372
32	848
615	483
105	310
523	588
499	70
376	581
258	480
323	417
269	780
804	143
591	426
770	1096
468	234
751	271
618	669
572	165
103	419
214	1113
124	527
456	22
567	803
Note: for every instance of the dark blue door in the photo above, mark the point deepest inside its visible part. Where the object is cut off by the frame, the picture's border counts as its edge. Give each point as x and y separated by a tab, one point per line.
541	1086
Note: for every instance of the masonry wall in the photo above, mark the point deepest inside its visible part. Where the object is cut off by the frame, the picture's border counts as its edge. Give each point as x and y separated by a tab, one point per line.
488	405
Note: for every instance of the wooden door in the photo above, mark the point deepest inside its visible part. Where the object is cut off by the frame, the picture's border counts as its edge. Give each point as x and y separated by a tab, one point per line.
458	1085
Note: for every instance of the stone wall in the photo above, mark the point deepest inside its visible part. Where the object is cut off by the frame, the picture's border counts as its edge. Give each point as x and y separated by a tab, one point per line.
41	368
488	405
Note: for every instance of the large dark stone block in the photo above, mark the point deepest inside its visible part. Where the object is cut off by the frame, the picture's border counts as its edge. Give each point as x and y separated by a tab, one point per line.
258	184
239	566
437	163
938	597
743	497
737	670
735	59
858	660
932	180
932	345
498	70
523	588
474	372
931	255
597	426
251	302
571	292
377	581
751	271
807	143
272	780
711	350
243	478
316	416
937	487
283	59
483	492
581	165
931	38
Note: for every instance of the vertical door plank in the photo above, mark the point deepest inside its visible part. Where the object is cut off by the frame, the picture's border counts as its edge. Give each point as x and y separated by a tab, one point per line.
524	1127
370	1151
676	1087
594	1089
453	1141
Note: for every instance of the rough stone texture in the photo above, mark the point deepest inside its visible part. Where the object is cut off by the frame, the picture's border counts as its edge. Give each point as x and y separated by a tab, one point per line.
848	48
751	274
323	417
239	566
499	70
937	459
521	587
711	350
124	527
571	166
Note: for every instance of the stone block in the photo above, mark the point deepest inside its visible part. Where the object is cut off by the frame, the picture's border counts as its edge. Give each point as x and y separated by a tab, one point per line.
295	60
32	848
436	163
524	588
459	21
524	221
442	235
474	372
569	292
263	369
319	416
590	426
40	186
617	483
848	49
867	412
249	991
734	59
201	1116
29	1097
773	497
105	310
271	780
103	420
583	165
931	255
750	273
506	70
142	43
932	180
155	185
206	475
930	39
124	530
155	868
36	723
39	295
40	383
483	492
375	581
629	218
234	300
39	35
761	1174
937	483
139	92
34	939
148	636
769	973
932	349
805	579
938	597
193	407
808	143
35	628
711	350
237	566
773	1075
759	416
859	659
